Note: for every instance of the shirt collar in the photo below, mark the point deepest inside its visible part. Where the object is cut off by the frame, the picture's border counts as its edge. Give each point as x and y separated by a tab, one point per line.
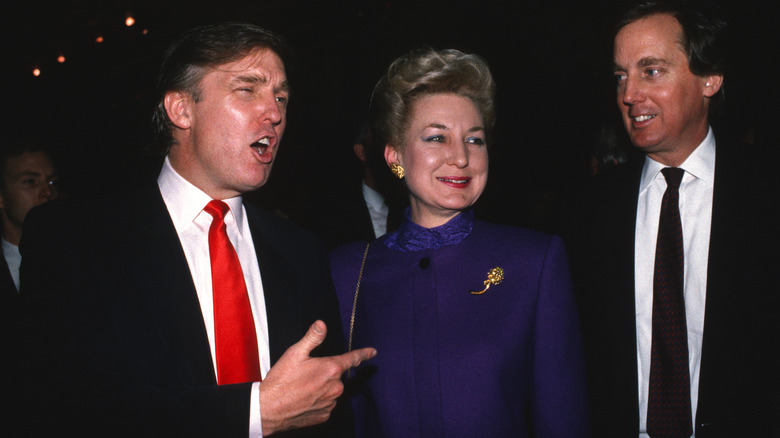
700	164
185	202
374	199
413	237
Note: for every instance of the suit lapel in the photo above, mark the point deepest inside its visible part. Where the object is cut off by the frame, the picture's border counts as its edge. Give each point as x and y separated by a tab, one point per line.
628	195
163	278
7	285
619	226
281	297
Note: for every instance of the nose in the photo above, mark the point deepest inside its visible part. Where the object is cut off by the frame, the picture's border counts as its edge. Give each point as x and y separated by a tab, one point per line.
630	92
47	192
459	155
272	109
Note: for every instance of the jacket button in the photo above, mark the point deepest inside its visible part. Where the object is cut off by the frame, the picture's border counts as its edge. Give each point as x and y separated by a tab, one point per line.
425	262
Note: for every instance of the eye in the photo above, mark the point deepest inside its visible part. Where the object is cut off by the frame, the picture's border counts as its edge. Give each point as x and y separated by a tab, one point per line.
282	100
479	141
28	181
435	138
620	78
652	72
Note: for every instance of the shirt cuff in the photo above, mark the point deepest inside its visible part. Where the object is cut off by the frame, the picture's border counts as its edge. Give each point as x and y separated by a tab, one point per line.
255	422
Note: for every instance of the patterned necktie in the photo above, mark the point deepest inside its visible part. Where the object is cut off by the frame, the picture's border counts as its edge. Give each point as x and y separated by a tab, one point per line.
235	339
669	404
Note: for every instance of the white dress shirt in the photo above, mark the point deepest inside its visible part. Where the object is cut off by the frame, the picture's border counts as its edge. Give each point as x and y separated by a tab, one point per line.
377	209
185	204
13	258
696	216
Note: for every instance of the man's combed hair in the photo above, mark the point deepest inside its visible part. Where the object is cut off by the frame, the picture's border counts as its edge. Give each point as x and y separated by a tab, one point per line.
424	72
191	56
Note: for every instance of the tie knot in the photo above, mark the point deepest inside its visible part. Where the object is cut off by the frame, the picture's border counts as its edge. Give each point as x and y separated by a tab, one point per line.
673	176
217	209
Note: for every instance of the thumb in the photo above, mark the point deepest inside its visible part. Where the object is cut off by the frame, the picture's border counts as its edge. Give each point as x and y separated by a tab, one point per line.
313	337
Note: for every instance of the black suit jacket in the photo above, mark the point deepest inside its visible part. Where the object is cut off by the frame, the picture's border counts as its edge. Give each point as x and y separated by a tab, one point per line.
343	216
9	310
8	292
739	370
120	346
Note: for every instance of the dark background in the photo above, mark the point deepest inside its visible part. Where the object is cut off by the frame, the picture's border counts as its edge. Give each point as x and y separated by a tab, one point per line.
551	60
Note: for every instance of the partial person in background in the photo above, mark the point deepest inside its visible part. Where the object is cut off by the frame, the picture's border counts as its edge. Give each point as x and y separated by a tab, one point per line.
609	149
28	178
364	209
675	255
475	323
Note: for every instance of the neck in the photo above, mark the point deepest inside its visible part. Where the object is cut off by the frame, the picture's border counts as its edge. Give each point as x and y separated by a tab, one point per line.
12	234
675	156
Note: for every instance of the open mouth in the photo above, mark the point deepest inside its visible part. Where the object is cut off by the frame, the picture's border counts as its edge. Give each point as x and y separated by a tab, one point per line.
643	118
261	146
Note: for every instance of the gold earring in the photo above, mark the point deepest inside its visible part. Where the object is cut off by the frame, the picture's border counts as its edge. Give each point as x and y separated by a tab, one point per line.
397	170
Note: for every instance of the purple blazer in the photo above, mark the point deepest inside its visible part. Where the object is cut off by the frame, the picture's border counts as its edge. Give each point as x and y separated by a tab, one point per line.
450	363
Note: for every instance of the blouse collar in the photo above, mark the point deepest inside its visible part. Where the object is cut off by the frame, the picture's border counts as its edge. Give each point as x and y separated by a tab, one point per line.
413	237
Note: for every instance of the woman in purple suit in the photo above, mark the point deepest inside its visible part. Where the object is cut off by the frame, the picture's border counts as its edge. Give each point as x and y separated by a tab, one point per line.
474	323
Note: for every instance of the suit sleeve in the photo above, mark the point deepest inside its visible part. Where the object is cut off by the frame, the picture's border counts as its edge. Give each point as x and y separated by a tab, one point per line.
559	399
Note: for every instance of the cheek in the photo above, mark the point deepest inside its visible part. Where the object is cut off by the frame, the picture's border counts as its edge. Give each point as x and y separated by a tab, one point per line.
480	161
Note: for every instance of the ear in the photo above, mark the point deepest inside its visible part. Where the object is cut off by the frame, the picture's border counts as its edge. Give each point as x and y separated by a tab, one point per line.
360	151
392	155
177	106
712	84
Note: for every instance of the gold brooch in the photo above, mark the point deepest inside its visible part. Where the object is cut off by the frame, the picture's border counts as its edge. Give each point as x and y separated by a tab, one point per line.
495	276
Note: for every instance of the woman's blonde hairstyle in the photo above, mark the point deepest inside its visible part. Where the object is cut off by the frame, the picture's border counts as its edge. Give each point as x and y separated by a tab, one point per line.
424	72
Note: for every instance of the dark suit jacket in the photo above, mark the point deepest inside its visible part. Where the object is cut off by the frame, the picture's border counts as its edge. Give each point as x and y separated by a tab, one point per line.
343	217
8	292
739	365
120	343
9	309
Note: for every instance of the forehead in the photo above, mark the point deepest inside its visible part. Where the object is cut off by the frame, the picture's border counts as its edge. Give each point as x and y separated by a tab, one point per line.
657	35
445	105
27	162
261	62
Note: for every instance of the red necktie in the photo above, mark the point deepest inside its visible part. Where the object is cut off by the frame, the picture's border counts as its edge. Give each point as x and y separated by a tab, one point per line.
669	401
234	328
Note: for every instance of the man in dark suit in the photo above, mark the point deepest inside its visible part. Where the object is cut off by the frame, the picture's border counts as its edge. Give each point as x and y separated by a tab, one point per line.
138	325
706	364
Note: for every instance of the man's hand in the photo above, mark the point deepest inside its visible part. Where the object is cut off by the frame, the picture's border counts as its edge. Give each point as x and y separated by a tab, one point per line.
300	390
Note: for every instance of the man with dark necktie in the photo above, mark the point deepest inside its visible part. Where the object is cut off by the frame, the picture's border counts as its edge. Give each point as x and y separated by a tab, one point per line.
674	255
179	309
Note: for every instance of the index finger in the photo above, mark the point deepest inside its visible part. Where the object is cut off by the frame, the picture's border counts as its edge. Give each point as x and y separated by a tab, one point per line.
354	358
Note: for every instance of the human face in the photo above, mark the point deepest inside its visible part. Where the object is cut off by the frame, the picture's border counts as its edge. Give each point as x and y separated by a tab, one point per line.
226	142
663	104
445	157
29	181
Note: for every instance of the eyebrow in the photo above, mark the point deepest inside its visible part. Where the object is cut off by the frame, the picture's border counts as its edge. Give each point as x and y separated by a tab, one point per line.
644	62
262	80
28	173
440	126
